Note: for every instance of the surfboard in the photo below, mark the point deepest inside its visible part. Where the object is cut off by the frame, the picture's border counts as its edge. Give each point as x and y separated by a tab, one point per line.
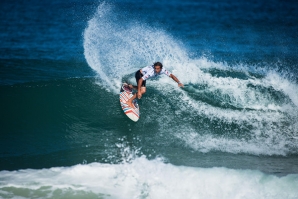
125	94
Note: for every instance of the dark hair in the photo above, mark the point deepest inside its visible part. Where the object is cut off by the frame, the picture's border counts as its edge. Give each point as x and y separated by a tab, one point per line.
158	64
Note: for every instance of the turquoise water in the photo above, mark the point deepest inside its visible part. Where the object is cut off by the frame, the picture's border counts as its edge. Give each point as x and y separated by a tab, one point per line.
231	132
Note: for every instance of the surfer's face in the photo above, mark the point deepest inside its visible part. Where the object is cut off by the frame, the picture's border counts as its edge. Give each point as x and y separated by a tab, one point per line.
157	69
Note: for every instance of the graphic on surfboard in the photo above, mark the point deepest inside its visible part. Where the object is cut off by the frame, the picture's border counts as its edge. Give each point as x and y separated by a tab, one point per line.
125	94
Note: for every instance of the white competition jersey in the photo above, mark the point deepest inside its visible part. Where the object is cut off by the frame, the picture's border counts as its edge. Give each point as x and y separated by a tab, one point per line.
148	72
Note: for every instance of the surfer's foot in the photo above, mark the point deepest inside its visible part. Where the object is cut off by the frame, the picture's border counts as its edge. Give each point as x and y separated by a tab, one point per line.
130	86
129	103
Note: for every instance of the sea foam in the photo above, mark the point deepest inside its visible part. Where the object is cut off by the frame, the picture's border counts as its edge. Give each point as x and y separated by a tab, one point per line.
143	178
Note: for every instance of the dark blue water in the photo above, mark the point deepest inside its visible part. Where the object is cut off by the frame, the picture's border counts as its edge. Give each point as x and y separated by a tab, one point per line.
231	132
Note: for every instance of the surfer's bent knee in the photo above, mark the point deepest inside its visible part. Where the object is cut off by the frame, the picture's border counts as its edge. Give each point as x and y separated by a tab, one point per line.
143	89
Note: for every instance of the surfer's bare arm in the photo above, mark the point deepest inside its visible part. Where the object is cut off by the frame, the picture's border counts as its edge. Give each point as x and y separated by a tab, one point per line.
139	87
176	80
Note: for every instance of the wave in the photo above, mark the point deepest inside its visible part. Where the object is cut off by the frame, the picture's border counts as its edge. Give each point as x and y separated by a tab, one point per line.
237	109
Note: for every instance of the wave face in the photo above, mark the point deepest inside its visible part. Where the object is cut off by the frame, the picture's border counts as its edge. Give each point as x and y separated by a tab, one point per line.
229	108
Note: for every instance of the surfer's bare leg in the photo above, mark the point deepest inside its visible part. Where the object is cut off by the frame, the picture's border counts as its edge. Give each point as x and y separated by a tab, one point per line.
133	86
129	102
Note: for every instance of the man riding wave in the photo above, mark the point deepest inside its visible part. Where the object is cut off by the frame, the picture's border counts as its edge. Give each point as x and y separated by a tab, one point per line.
146	73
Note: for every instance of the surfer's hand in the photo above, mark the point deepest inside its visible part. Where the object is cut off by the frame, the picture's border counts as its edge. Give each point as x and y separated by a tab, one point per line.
139	95
180	84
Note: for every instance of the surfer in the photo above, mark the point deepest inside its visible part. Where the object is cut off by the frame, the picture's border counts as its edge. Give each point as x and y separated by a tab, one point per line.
148	72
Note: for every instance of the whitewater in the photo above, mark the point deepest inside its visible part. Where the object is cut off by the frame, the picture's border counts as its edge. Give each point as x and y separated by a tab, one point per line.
142	178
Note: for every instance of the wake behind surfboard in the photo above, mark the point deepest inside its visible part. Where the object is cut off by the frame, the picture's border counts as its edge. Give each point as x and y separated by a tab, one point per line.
125	94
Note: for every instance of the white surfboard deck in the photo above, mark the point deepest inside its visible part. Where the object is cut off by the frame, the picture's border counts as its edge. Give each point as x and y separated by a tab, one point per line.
125	94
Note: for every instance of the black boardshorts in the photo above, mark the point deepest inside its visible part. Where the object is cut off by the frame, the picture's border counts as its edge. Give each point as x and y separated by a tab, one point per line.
138	76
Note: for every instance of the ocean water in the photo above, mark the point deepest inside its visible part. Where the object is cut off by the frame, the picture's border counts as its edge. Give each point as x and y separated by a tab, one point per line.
231	132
